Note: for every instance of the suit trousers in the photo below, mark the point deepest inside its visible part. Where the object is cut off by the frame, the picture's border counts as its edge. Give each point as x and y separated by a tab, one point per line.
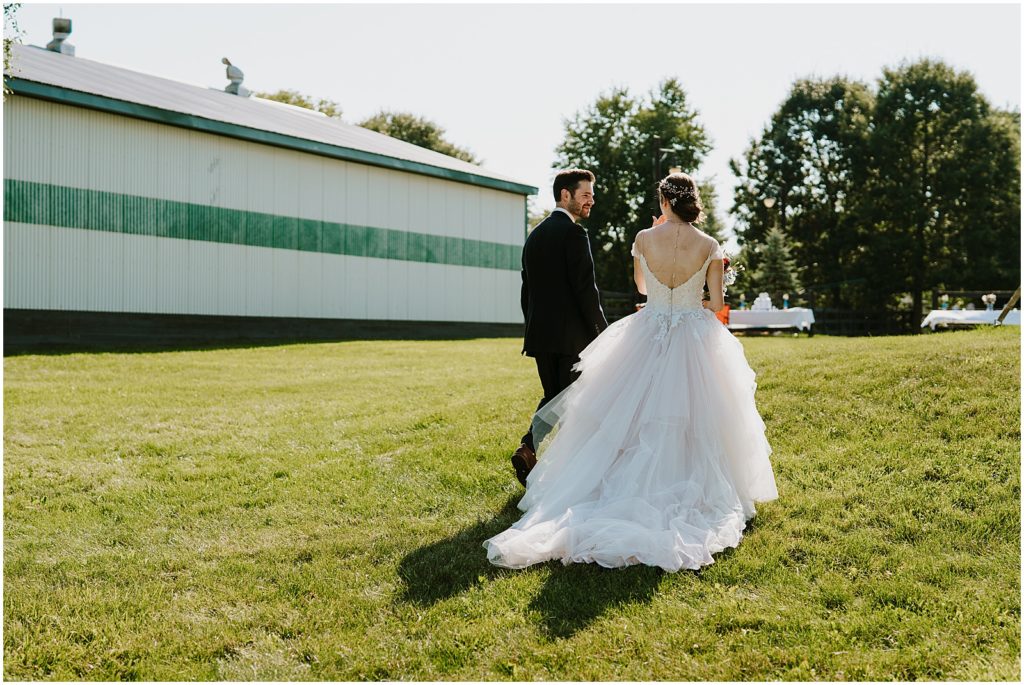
556	374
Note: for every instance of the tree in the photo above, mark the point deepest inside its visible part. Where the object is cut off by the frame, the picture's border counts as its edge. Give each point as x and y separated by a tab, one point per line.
620	139
809	161
294	97
418	131
709	198
987	252
535	214
12	35
884	195
776	270
746	262
940	160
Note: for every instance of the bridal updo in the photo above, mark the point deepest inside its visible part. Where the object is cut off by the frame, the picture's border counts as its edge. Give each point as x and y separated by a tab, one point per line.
680	191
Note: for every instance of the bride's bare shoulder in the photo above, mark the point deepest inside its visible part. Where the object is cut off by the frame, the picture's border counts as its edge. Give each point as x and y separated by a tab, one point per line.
642	235
705	238
702	235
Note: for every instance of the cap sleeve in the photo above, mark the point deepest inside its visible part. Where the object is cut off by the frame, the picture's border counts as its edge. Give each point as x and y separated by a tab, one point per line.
717	252
634	251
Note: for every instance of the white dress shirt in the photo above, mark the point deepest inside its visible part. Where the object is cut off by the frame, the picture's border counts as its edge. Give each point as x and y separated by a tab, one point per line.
564	211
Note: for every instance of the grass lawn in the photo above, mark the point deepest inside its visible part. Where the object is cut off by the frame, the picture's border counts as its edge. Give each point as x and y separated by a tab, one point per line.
317	512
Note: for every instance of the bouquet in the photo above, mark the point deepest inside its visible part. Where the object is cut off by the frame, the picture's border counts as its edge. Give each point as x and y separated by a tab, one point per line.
730	274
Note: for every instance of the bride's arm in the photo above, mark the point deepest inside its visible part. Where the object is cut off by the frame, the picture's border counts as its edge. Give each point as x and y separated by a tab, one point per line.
715	277
638	272
638	277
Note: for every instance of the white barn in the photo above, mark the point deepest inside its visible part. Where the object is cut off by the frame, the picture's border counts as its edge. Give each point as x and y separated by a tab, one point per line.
130	198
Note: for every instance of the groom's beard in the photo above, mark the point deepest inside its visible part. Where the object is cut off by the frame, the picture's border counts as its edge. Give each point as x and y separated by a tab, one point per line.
578	210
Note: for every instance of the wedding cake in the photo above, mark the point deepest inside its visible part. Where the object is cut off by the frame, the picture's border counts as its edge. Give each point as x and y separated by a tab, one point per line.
763	303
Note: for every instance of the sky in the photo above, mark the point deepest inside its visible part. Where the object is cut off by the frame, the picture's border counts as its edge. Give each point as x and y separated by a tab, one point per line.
502	79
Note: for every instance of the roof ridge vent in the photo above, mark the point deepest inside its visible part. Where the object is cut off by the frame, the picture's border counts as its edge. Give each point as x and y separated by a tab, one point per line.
236	77
61	31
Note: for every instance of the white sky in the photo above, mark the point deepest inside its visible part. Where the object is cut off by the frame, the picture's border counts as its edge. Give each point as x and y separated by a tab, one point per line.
501	79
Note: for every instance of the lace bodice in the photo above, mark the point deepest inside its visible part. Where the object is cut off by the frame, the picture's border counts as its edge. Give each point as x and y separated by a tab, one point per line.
685	296
672	305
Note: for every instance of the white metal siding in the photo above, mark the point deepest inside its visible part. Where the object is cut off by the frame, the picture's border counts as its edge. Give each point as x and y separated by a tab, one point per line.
80	269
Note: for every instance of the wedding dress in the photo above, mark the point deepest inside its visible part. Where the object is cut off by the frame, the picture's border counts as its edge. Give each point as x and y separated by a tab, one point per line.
656	454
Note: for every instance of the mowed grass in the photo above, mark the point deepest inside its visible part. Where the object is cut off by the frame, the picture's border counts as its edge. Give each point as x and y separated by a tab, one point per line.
317	512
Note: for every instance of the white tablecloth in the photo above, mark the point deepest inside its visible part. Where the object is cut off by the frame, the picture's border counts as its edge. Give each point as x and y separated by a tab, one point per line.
968	317
794	317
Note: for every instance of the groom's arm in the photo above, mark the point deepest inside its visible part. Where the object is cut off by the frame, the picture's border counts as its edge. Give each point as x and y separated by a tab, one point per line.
524	293
580	263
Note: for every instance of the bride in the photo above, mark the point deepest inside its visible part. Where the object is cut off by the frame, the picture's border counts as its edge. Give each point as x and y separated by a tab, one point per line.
657	454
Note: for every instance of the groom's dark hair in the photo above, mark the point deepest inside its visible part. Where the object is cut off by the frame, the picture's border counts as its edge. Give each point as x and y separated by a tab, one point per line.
570	180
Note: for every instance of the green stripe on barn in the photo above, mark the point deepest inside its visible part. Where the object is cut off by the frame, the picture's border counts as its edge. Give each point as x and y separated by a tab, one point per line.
51	205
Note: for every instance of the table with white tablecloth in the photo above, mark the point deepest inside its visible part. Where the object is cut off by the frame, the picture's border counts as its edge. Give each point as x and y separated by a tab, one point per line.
800	318
968	317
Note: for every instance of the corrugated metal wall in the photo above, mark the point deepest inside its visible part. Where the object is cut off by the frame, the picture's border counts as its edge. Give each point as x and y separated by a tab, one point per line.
120	268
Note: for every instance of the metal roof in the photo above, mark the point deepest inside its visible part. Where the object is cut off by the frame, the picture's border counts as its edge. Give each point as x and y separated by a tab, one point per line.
37	72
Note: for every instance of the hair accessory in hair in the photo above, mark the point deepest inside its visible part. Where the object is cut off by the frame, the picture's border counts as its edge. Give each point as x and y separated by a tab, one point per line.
674	192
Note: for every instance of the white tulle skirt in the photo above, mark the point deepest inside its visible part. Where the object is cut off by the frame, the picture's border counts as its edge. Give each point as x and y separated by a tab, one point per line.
655	455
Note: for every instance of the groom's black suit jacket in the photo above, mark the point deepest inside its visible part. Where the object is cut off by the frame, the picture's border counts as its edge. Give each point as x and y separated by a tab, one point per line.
561	303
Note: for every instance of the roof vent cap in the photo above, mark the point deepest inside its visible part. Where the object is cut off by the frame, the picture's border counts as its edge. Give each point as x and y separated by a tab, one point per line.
236	76
61	31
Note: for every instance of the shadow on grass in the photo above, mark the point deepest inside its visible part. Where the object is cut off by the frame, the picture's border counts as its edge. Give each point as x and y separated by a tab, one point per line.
38	332
453	565
571	598
575	596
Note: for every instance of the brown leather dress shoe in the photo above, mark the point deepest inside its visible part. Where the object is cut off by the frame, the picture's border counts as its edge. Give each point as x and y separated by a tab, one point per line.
523	461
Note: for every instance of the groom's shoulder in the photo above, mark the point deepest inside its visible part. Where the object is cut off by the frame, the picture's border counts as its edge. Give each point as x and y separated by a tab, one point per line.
556	218
554	223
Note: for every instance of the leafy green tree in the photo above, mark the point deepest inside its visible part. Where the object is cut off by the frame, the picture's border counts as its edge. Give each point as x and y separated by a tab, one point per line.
943	183
418	131
620	138
712	222
12	35
752	217
535	214
776	271
294	97
809	161
985	254
746	262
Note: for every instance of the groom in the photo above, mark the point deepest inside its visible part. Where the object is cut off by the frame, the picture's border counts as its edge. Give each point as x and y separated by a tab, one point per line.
561	304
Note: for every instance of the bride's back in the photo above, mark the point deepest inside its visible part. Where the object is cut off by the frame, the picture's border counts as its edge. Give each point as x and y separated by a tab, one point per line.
674	252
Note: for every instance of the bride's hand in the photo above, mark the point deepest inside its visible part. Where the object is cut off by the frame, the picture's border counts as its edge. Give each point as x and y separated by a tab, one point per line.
660	220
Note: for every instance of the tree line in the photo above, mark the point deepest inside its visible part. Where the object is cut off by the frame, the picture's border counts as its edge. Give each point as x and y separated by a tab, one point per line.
884	193
401	125
854	196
